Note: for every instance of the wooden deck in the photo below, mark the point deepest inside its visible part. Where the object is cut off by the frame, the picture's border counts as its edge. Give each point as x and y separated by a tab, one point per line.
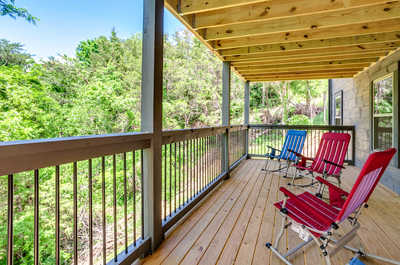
233	224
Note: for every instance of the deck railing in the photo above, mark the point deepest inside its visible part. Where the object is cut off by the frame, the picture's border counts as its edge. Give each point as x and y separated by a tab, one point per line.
92	188
77	170
263	135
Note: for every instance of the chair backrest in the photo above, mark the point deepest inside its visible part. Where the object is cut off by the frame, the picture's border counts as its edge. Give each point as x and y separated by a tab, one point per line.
295	141
366	182
333	147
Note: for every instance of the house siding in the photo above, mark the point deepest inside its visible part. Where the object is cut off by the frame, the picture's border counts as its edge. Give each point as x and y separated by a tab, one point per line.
357	111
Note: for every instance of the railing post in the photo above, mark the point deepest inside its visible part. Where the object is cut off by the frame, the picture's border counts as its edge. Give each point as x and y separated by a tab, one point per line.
151	116
226	121
246	116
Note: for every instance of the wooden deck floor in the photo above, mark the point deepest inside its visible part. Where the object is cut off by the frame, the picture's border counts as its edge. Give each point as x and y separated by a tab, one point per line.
233	224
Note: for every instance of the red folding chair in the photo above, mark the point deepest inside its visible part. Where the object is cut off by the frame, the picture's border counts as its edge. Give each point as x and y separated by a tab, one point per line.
318	221
328	161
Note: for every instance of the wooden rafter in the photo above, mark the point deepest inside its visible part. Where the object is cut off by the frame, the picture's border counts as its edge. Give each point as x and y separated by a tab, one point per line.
376	27
319	20
321	52
305	77
310	59
273	9
387	38
292	39
196	6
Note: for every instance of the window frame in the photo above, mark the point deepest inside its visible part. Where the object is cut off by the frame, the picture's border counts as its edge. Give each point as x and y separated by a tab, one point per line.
395	113
338	94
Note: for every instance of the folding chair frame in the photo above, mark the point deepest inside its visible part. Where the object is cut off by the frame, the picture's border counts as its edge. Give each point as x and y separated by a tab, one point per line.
280	166
299	139
325	241
311	213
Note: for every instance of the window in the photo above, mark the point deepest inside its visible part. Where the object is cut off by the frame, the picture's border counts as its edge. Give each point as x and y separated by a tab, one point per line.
382	112
339	108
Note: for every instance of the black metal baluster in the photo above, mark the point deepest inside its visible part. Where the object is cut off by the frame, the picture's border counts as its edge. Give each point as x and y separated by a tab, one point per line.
125	204
103	205
115	206
192	167
175	166
57	212
134	196
184	187
75	198
10	222
170	179
36	218
90	188
142	191
198	179
179	175
165	181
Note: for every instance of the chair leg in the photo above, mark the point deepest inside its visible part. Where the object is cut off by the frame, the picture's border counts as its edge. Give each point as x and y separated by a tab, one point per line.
274	248
265	168
278	238
294	177
287	169
361	253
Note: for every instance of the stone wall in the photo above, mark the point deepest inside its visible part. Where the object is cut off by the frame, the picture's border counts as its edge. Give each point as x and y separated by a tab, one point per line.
357	111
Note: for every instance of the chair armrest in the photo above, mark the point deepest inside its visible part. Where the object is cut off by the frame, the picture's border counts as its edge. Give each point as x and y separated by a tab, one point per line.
334	164
306	206
331	186
300	155
273	148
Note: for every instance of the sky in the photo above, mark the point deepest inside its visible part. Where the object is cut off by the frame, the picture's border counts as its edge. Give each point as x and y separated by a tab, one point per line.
63	24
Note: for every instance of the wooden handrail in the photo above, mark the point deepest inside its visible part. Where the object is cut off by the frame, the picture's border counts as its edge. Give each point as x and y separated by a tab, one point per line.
304	127
171	136
21	156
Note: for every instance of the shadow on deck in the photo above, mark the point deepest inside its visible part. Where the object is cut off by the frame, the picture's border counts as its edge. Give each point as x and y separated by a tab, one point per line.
233	224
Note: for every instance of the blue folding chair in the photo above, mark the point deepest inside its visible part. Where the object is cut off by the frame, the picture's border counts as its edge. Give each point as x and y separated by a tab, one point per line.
294	141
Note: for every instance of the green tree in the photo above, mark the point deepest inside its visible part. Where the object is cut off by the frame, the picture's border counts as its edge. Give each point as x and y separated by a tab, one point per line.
13	53
8	8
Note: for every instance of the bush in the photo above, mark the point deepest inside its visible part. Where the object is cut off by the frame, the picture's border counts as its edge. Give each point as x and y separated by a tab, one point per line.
299	120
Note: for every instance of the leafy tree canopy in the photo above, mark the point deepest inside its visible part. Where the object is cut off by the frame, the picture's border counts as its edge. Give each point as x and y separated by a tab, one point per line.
8	8
13	53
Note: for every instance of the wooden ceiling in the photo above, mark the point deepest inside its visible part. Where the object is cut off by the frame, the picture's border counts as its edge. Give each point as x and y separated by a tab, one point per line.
293	39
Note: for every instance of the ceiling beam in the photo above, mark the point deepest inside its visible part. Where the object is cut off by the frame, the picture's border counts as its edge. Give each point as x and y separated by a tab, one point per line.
307	72
308	58
343	68
388	25
171	6
305	77
196	6
319	20
273	9
353	49
388	38
332	64
302	64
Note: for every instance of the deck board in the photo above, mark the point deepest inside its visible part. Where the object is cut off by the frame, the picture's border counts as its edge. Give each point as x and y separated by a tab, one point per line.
232	225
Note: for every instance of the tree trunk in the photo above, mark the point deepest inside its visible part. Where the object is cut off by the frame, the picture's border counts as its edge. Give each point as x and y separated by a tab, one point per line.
308	100
285	101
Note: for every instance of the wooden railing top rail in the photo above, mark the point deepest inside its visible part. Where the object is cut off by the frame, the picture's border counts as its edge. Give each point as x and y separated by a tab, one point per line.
171	136
21	156
304	127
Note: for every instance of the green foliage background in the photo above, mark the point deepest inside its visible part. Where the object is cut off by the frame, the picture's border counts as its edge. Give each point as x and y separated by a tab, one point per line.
98	92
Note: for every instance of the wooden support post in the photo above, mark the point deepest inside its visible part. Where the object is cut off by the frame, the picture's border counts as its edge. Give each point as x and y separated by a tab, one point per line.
151	116
331	113
226	119
246	115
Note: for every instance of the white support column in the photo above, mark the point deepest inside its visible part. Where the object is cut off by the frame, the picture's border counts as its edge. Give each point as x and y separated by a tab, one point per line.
246	114
226	105
151	116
